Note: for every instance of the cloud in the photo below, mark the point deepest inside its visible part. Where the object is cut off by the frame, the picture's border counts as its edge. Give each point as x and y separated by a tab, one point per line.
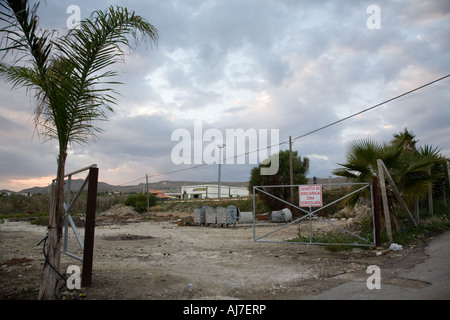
289	65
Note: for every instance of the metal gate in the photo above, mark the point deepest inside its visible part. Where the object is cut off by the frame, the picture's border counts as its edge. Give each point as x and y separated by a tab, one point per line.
311	216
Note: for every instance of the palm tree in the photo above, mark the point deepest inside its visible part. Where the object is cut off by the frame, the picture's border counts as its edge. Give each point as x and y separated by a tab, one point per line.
70	77
362	156
416	174
409	167
406	139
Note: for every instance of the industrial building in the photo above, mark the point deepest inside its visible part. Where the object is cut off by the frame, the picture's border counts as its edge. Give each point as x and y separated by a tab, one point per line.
208	191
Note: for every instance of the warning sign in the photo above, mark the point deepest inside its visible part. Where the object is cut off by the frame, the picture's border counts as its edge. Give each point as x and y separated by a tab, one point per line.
310	195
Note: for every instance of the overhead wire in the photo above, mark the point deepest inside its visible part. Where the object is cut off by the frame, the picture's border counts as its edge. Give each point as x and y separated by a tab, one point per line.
303	135
370	108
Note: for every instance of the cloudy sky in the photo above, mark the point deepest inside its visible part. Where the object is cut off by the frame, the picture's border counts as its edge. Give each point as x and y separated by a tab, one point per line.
264	66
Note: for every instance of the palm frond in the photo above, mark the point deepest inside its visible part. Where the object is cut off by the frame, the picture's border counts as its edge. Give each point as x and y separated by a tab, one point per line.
89	52
21	34
412	172
19	76
429	151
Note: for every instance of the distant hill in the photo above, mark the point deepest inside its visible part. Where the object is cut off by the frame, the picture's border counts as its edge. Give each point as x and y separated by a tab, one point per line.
166	186
75	185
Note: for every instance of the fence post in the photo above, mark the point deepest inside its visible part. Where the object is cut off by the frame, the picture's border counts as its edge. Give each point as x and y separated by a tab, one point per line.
377	211
89	229
385	200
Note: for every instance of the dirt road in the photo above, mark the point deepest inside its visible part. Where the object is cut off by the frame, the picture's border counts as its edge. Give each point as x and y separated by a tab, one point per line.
139	259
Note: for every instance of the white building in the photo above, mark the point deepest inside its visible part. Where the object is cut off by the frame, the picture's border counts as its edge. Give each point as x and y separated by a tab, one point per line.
206	191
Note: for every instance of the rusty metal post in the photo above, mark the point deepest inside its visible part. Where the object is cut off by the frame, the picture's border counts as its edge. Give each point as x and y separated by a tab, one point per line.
88	253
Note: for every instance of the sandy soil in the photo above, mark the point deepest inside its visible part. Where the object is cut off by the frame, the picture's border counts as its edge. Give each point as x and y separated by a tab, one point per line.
158	259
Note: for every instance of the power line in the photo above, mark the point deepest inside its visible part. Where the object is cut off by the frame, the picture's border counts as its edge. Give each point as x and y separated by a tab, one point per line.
303	135
166	173
122	184
368	109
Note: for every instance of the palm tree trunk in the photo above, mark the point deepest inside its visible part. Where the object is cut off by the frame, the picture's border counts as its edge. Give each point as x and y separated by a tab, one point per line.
51	275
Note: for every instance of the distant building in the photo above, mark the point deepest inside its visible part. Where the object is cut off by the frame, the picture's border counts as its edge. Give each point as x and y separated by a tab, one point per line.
160	195
212	191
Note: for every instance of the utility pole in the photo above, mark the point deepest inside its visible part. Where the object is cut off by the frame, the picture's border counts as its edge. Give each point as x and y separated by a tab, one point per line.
148	195
220	146
291	170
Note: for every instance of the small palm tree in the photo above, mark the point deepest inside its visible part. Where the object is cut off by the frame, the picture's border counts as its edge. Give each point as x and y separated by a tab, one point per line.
408	166
70	77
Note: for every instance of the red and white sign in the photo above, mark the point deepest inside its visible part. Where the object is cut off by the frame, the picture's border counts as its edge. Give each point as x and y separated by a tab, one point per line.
310	195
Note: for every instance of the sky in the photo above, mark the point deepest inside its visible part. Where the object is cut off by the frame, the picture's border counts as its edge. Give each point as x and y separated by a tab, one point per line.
281	67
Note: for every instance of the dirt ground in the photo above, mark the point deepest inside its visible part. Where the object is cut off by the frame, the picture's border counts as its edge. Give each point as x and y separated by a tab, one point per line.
136	258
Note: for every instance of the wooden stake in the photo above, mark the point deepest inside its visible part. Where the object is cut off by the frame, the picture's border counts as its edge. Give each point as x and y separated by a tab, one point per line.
376	211
397	194
385	200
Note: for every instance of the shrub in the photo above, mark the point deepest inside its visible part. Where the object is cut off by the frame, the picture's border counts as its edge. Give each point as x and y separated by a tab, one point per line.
139	201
